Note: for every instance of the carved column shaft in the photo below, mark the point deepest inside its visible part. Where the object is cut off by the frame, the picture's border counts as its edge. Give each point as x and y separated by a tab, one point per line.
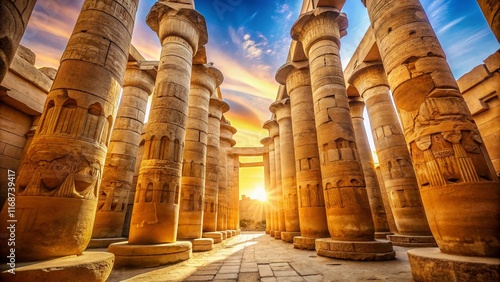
313	222
63	166
205	79
347	207
365	155
395	162
452	166
272	185
226	142
217	108
270	182
236	193
120	162
265	159
287	165
156	209
15	16
491	10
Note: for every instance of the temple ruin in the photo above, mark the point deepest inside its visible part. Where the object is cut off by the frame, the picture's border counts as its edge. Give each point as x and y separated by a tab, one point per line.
98	192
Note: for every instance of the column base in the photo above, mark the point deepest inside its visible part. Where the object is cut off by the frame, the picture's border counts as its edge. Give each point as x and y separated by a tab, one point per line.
288	236
277	235
89	266
272	233
238	231
103	243
202	244
224	234
141	256
430	264
234	232
304	243
268	231
355	250
382	235
217	236
412	241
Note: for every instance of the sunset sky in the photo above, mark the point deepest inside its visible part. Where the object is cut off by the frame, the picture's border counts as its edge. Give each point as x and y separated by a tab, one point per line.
249	41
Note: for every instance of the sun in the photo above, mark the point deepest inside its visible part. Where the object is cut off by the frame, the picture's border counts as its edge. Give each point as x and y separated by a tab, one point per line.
259	193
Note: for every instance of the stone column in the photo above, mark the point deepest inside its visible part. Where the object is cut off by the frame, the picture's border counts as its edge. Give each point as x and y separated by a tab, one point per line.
395	162
272	176
269	182
312	213
491	11
226	142
153	230
120	161
204	81
387	205
460	191
288	174
236	194
216	109
229	208
58	183
273	128
15	16
348	211
356	107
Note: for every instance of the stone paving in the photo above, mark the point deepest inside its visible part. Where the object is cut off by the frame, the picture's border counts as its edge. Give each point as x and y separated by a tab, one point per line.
255	256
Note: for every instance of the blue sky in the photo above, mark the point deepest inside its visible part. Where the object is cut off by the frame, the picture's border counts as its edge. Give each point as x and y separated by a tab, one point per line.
249	40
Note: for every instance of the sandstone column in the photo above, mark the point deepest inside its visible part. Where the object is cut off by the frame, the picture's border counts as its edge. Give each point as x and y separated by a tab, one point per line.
348	211
153	230
58	183
269	144
236	194
273	128
265	159
460	191
120	162
226	142
216	109
395	162
356	107
15	16
288	174
491	10
205	79
385	198
312	213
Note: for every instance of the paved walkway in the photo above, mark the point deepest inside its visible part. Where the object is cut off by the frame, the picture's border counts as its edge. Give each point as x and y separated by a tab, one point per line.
254	256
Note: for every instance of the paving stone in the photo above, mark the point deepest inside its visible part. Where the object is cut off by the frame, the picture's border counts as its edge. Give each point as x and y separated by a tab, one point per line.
229	269
248	264
287	273
280	266
268	279
200	278
265	271
248	277
222	276
206	272
249	269
313	278
303	268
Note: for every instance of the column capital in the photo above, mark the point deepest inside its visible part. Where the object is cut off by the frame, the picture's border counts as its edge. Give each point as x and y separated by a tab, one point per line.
294	75
320	24
356	106
174	19
281	109
273	128
368	75
135	77
266	141
226	133
217	108
207	76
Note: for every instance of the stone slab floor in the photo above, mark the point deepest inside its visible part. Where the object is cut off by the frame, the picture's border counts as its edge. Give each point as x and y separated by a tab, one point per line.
255	256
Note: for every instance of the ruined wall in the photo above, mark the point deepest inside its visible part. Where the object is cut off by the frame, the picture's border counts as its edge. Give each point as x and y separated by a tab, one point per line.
22	96
480	88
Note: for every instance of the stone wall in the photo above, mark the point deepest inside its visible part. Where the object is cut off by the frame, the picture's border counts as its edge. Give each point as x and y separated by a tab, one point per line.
22	96
480	88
